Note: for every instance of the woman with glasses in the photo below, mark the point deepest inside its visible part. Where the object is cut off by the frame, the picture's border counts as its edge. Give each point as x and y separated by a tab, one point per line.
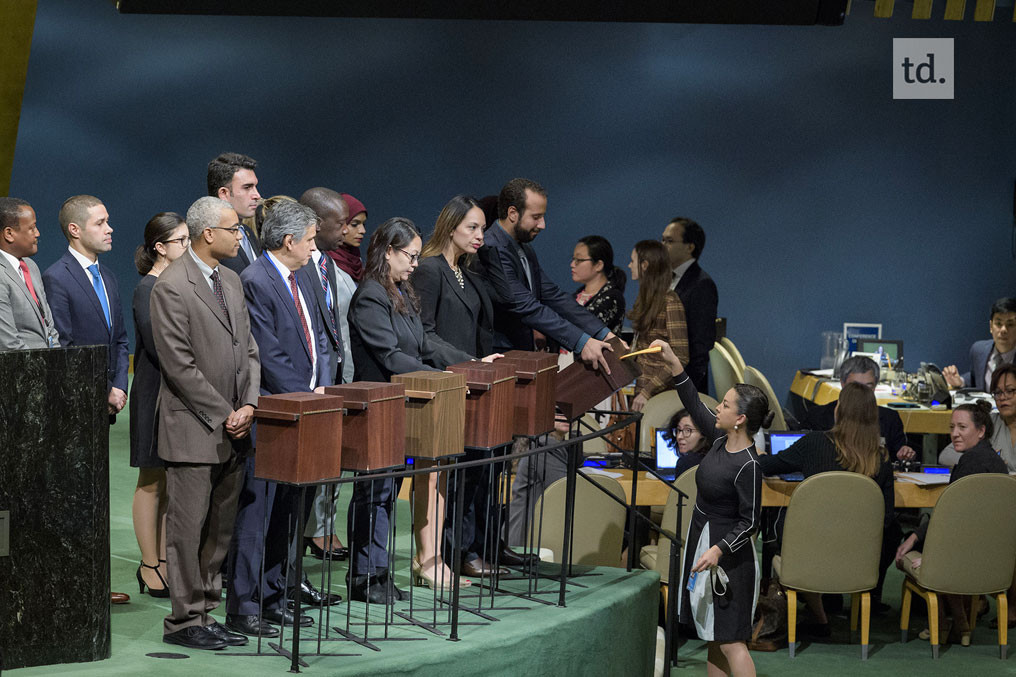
602	290
683	435
166	239
1002	438
386	338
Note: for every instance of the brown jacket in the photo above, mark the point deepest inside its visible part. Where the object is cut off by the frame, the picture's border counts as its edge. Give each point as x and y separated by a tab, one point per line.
210	367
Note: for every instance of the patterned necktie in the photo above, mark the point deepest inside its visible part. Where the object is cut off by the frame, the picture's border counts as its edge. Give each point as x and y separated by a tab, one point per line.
299	310
31	287
100	292
327	288
217	289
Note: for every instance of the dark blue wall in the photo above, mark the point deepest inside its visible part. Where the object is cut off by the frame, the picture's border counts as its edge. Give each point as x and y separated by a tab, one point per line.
824	200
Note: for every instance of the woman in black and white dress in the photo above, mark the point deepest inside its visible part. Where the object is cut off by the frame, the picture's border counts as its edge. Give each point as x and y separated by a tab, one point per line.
719	542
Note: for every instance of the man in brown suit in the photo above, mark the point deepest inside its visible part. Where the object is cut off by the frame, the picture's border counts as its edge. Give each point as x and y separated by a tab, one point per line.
210	380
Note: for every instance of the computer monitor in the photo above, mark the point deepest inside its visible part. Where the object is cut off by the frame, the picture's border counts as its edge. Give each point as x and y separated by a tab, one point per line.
893	349
667	454
778	441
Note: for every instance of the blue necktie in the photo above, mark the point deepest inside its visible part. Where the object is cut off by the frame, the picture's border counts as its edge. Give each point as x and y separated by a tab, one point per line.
245	243
100	292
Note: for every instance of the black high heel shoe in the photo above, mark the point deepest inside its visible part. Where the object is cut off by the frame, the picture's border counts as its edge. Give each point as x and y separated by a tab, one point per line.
163	592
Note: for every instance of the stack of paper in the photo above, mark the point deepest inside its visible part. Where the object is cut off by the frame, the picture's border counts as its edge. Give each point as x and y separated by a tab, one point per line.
922	478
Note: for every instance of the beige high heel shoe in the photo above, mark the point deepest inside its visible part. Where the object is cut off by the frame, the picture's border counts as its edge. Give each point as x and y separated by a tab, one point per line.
424	578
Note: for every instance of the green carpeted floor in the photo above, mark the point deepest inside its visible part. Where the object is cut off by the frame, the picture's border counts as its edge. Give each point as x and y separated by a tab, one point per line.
137	630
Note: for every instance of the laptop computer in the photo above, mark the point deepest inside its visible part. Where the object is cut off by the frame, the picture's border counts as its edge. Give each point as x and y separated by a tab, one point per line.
779	441
666	453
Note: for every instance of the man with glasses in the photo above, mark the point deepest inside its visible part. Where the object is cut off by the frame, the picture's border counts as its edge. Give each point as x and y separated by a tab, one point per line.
987	355
231	177
210	383
684	240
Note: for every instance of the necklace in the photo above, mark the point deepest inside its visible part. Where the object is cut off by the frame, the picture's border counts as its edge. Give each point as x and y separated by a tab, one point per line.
458	276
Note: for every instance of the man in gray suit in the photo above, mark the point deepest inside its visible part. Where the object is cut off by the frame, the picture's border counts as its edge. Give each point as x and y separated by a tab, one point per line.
25	318
210	380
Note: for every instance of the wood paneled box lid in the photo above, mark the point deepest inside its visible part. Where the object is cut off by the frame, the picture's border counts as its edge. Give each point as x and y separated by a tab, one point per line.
580	387
299	438
374	428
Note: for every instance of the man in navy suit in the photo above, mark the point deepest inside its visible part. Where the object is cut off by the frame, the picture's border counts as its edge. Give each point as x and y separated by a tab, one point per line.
684	240
291	346
331	305
85	299
530	300
231	177
84	295
989	354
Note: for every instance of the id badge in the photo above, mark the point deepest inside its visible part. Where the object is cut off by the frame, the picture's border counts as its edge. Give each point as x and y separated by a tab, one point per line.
691	581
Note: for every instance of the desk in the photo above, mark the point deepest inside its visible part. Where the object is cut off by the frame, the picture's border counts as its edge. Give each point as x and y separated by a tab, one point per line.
776	492
823	391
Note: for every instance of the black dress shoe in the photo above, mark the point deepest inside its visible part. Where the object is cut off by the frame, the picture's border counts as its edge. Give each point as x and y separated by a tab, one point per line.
250	625
510	558
195	637
339	554
230	638
285	617
311	596
375	589
477	568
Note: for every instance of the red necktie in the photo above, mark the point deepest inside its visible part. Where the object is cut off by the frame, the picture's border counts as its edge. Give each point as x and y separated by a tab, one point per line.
299	310
28	283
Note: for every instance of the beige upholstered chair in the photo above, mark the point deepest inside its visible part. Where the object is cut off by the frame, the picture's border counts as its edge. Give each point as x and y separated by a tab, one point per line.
832	540
658	410
735	354
657	557
598	530
754	377
969	550
724	369
596	445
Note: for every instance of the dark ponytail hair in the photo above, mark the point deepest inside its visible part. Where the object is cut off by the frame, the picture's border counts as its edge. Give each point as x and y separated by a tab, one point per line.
158	228
980	413
600	250
754	405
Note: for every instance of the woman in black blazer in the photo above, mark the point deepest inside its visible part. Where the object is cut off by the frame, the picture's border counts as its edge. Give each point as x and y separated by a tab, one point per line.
166	239
456	308
387	337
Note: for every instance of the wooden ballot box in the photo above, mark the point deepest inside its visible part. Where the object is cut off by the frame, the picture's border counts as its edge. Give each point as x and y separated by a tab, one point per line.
536	377
435	413
580	387
374	427
299	438
490	402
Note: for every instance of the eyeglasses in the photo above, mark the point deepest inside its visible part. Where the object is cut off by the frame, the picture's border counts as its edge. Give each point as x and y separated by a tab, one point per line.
183	241
232	229
684	432
1006	394
575	260
413	258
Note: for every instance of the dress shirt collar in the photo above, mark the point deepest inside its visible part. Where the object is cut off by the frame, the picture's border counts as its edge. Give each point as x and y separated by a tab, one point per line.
81	258
206	270
681	270
13	260
1003	358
